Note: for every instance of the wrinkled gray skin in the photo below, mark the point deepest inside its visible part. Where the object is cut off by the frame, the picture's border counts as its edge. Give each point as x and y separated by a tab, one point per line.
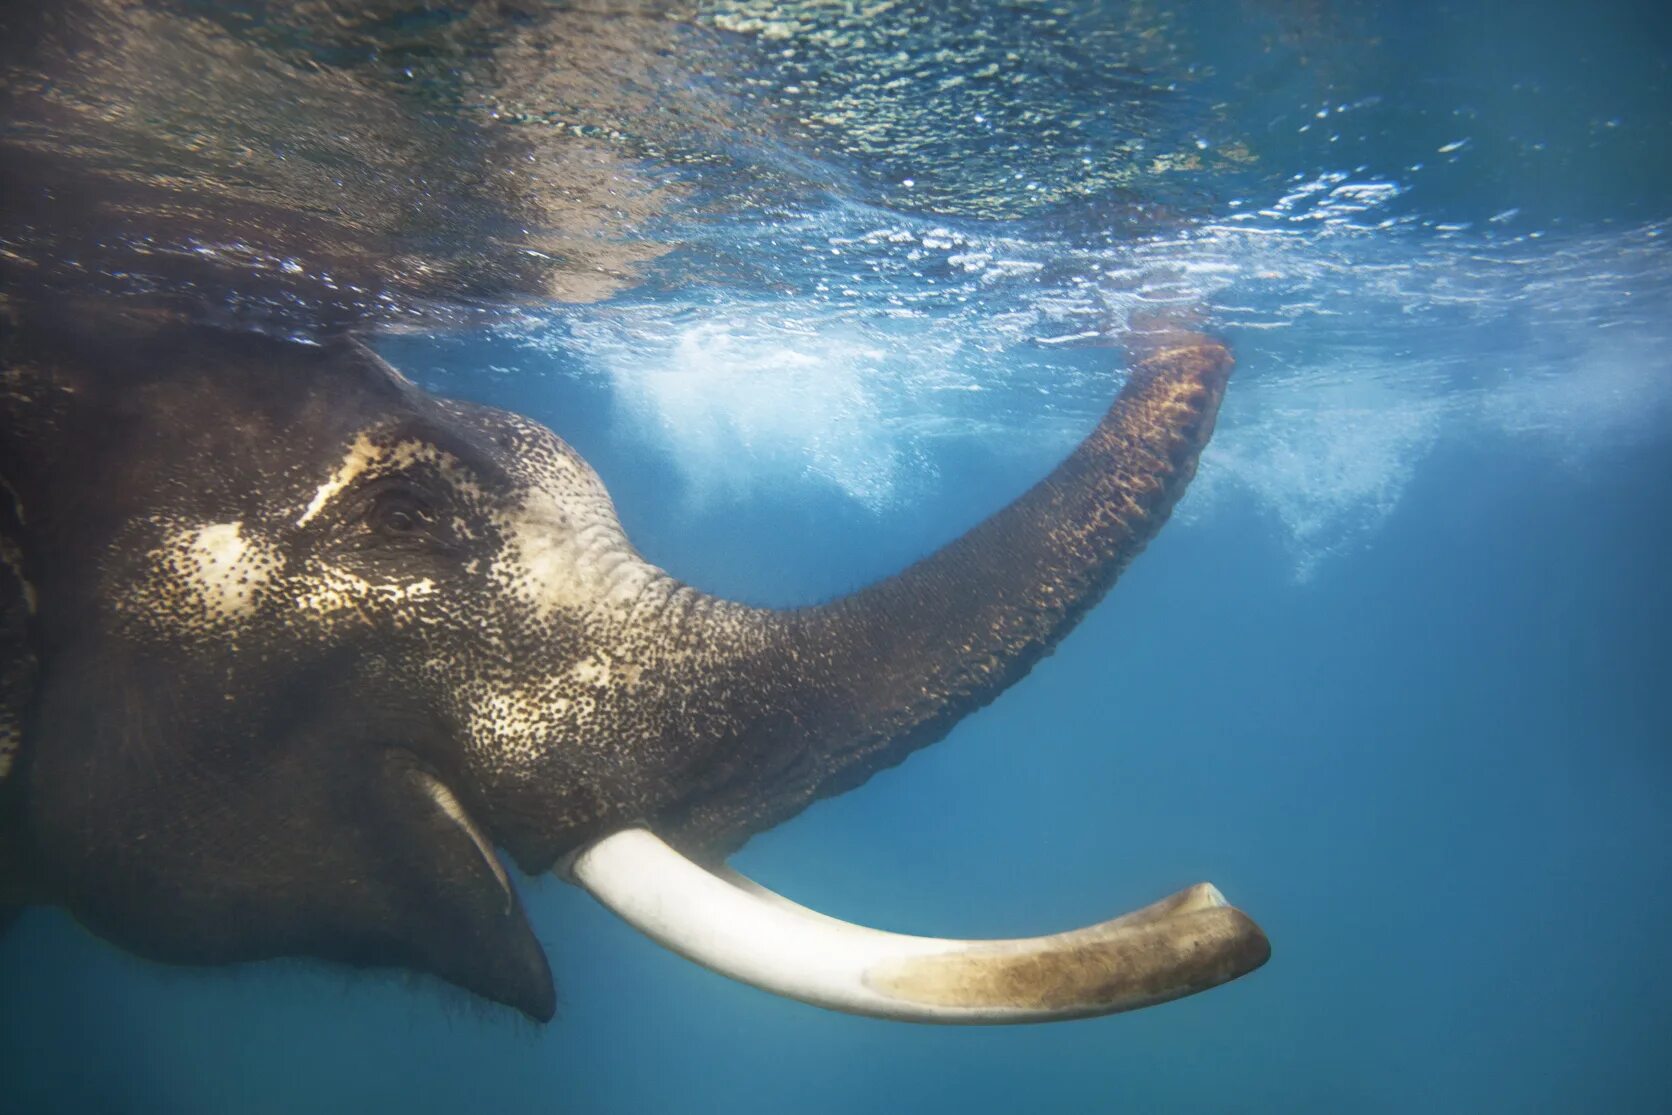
292	646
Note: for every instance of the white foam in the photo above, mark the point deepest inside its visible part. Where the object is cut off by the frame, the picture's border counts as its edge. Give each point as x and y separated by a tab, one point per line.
746	406
1615	390
1329	459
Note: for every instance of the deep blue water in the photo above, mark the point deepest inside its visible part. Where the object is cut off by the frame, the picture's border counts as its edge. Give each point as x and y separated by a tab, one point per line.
1397	678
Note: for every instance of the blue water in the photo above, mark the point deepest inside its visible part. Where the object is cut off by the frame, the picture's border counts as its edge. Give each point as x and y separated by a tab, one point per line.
1397	677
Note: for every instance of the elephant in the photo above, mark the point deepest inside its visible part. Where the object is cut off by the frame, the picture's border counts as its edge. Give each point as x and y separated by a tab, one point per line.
297	659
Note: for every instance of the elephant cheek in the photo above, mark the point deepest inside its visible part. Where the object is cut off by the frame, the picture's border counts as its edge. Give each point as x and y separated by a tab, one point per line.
354	854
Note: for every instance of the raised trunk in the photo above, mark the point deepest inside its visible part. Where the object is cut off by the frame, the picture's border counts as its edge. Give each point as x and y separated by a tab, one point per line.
852	687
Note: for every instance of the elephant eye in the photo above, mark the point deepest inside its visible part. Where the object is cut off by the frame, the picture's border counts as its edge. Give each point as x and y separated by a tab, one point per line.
400	514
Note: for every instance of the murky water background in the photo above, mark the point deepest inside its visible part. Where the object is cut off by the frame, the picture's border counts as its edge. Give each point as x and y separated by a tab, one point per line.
815	286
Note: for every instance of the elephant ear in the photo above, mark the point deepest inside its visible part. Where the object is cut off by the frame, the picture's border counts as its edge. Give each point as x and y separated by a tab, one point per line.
18	670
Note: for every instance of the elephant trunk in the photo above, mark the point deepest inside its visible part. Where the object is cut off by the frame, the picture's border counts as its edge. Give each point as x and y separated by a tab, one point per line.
819	699
840	691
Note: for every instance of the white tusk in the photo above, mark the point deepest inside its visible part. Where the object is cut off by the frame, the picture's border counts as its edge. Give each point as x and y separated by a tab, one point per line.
1186	943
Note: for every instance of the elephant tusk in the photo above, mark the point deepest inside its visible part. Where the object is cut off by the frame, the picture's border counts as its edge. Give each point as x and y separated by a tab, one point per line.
1182	944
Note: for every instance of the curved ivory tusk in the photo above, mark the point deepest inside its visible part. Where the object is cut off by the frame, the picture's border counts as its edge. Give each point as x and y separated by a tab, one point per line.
1186	943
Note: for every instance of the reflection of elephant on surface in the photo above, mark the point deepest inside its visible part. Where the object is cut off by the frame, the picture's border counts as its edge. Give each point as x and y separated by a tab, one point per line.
292	646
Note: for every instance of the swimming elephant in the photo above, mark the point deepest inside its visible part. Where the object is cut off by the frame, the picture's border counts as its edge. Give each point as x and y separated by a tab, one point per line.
292	650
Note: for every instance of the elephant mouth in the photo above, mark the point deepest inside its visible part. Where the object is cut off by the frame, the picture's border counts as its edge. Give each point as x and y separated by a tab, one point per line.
447	803
1189	942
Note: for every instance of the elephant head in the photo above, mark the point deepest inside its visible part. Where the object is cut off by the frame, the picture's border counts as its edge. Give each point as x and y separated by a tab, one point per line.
314	646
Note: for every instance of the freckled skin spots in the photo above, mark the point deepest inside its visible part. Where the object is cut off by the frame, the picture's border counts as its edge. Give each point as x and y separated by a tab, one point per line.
320	642
205	582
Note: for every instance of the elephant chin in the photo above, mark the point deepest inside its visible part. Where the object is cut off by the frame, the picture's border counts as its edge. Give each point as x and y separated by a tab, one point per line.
1183	944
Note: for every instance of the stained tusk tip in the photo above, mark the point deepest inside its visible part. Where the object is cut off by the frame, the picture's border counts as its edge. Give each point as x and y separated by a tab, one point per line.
1209	895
